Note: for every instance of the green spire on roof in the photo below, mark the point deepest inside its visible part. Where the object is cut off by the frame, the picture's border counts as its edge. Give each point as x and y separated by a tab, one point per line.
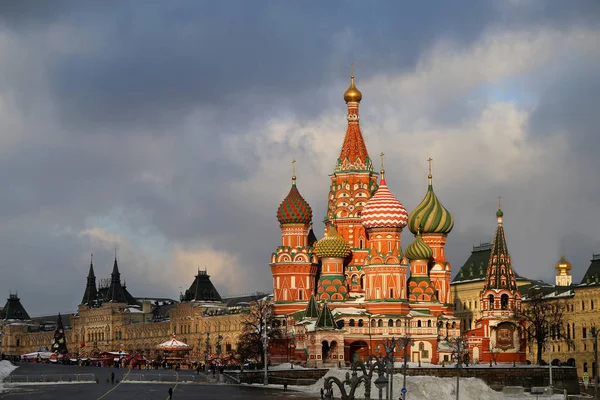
312	310
326	320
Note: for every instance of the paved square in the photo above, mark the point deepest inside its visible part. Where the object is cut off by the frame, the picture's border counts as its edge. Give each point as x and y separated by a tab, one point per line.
104	390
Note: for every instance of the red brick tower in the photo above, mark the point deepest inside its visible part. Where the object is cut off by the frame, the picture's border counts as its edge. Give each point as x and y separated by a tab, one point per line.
352	183
500	330
293	265
332	250
384	216
433	221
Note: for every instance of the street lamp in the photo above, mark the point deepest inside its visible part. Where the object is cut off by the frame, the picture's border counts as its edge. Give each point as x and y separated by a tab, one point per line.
267	313
406	342
549	359
458	363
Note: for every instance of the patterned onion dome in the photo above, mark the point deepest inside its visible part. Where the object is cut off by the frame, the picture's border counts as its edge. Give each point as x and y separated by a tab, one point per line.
430	216
383	210
418	250
294	209
332	245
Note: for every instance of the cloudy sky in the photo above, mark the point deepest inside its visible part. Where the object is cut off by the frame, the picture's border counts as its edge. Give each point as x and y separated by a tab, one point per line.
166	130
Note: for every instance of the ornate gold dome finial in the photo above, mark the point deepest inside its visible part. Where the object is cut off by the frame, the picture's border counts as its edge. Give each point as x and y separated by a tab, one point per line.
352	95
382	166
293	172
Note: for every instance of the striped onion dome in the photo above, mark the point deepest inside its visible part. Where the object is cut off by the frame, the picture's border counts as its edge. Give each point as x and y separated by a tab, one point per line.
332	245
383	210
430	216
418	250
294	209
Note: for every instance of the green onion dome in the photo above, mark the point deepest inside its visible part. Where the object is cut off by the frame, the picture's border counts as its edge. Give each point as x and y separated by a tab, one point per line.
332	245
430	216
418	250
294	209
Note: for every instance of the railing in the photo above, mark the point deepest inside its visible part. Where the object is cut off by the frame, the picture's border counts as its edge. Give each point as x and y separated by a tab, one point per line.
394	331
159	378
52	378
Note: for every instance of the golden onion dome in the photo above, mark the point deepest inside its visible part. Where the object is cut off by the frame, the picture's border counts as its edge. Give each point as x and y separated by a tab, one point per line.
352	95
563	266
332	245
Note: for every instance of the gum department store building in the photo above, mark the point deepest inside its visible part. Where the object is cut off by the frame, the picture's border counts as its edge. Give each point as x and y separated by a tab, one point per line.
339	298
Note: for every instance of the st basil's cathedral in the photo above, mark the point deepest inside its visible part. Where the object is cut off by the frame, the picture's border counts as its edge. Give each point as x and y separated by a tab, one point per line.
339	298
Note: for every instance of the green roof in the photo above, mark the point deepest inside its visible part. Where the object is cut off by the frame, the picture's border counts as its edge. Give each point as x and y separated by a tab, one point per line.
592	275
475	267
14	309
312	310
326	320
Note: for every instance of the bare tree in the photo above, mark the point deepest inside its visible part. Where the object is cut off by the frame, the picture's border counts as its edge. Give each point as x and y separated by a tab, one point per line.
257	319
544	319
494	351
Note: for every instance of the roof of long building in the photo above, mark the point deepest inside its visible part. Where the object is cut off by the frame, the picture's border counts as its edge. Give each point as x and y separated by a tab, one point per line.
592	275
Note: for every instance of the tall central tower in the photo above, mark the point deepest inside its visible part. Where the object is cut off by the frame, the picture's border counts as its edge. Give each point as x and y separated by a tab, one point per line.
353	182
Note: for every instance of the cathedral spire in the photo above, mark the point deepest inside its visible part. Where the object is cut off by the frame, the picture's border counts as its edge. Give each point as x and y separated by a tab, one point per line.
354	155
326	320
500	274
91	293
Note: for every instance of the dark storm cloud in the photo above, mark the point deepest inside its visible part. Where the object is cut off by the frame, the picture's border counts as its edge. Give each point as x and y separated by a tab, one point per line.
157	62
143	100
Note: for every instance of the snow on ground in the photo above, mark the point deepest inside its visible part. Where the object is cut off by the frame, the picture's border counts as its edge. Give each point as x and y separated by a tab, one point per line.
5	369
422	388
285	366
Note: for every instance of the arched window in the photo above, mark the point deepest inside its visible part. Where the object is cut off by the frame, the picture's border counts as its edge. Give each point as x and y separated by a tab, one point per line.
373	323
362	282
418	323
380	323
491	301
340	324
390	323
504	301
397	323
360	323
351	322
300	294
453	325
429	323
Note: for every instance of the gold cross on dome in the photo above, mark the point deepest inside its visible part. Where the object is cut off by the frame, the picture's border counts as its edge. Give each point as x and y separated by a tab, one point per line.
352	66
499	199
382	160
429	160
294	167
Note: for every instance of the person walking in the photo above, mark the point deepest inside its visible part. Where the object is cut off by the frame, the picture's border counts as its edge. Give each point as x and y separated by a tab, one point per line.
112	377
170	393
322	392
